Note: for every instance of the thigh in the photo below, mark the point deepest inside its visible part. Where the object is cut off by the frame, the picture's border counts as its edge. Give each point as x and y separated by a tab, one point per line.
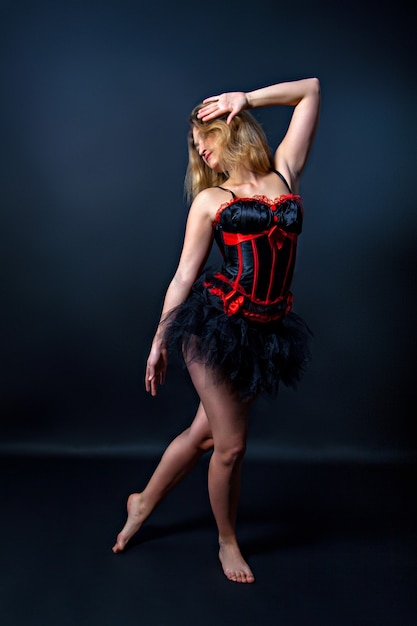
225	412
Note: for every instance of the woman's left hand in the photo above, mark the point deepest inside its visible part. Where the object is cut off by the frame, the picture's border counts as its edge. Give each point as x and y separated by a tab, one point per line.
231	102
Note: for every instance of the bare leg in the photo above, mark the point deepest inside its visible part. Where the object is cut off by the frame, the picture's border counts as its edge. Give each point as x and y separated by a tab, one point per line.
228	419
177	461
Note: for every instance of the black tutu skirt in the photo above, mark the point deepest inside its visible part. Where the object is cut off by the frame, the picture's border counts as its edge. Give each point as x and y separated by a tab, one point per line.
253	356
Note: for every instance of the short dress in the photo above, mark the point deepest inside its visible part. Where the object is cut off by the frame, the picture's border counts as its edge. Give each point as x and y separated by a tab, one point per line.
238	320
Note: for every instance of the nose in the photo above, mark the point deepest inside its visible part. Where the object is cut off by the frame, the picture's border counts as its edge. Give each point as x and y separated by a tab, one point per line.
201	148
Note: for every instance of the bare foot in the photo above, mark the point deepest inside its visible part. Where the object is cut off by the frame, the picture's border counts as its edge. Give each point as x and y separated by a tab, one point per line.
135	519
234	565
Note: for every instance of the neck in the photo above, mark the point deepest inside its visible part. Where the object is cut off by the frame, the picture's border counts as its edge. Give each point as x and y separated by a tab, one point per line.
241	176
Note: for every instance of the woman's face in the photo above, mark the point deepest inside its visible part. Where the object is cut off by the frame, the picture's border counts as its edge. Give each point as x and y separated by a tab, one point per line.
207	146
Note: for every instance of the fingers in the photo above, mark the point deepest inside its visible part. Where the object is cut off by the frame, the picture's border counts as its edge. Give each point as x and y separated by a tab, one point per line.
151	384
162	378
206	116
215	106
211	99
154	385
209	112
230	103
153	379
148	379
231	116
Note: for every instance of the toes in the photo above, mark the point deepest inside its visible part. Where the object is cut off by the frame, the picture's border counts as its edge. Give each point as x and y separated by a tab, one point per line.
242	574
119	546
240	577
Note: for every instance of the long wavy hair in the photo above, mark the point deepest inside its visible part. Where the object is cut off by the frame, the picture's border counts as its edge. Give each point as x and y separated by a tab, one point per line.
243	141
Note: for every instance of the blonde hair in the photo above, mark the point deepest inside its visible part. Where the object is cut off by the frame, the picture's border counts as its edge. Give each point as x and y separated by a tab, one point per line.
241	141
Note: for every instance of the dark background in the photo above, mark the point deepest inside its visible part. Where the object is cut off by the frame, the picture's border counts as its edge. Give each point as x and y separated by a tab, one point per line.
93	118
94	102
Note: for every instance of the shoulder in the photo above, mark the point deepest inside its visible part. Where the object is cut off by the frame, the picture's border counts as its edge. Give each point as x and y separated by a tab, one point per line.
208	201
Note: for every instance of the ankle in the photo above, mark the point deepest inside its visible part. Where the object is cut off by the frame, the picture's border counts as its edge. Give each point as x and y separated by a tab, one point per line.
227	541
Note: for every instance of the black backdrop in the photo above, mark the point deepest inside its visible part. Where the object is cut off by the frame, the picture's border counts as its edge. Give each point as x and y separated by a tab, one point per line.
94	102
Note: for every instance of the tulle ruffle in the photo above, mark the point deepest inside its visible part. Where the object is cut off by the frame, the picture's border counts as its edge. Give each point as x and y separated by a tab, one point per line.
254	357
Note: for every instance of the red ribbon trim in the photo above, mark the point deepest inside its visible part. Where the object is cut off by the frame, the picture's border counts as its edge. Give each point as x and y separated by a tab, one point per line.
275	234
233	301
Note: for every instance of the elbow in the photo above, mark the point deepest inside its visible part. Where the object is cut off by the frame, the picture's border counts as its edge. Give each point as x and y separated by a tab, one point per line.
314	86
183	280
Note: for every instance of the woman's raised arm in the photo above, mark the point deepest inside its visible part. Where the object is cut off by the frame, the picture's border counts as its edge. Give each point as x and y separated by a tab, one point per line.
304	95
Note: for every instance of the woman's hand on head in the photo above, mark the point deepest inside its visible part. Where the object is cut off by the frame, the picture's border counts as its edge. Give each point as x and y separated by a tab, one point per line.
231	102
156	367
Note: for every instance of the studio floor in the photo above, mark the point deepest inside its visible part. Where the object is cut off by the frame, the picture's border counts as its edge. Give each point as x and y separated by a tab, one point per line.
331	544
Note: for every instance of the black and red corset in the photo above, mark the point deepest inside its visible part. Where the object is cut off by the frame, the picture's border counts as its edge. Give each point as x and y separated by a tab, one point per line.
257	238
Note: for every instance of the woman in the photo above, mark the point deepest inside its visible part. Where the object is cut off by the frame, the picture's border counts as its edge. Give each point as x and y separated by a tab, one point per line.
235	327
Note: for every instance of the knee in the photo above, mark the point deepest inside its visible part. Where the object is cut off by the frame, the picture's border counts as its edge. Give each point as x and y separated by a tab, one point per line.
232	454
